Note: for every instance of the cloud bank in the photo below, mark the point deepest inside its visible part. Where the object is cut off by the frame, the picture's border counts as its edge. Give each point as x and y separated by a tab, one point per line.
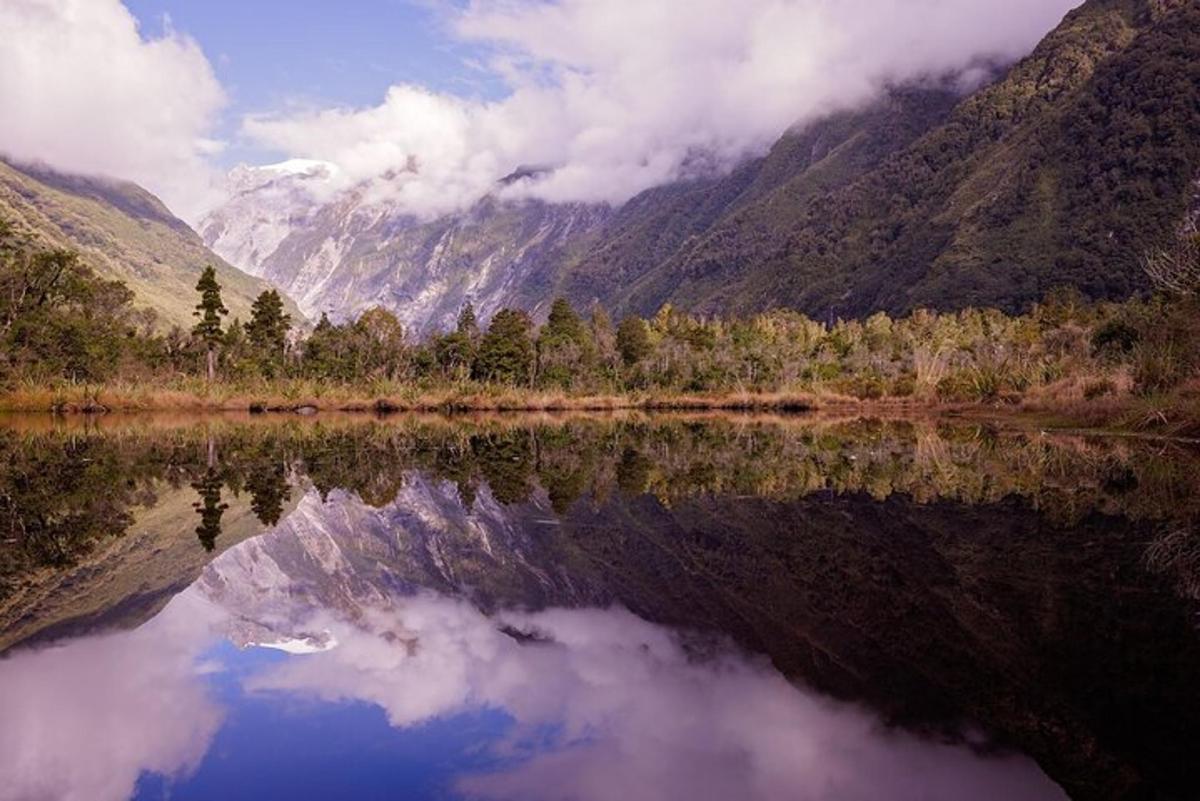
85	718
622	95
614	690
83	91
616	95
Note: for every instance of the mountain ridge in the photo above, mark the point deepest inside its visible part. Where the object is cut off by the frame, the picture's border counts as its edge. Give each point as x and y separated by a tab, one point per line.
124	232
1060	170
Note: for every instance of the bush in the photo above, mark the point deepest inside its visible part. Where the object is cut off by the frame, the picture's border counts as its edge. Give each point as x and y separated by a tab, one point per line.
868	386
1114	338
905	386
957	387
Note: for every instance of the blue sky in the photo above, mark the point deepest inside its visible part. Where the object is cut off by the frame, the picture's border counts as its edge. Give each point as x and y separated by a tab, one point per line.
271	55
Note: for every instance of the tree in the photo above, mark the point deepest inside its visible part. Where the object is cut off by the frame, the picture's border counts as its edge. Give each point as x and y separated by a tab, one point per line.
564	347
506	352
269	490
209	507
268	330
58	318
210	309
379	344
455	353
633	340
467	325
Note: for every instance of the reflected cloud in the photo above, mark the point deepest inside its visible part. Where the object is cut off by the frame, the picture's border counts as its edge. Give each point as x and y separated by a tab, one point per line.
634	710
85	718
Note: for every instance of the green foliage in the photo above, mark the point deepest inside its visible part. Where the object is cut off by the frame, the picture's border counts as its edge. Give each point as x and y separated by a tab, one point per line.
370	348
506	353
1115	338
210	508
267	331
210	309
1062	172
565	350
59	319
467	325
62	322
633	340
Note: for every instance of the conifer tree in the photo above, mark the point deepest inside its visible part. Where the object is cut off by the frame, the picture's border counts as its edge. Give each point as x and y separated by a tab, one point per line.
506	352
468	325
565	348
210	309
268	329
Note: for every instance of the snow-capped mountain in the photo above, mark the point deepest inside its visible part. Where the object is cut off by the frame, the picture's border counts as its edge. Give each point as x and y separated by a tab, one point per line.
335	251
338	553
266	204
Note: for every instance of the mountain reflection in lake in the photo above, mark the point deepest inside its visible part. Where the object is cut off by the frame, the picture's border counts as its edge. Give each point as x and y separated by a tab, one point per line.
634	608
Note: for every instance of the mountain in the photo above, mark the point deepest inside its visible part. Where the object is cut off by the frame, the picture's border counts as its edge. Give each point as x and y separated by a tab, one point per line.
127	579
876	602
1060	170
1061	173
345	255
123	232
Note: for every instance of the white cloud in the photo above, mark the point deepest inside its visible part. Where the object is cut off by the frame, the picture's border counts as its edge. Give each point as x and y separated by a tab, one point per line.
85	718
621	95
83	91
618	691
618	95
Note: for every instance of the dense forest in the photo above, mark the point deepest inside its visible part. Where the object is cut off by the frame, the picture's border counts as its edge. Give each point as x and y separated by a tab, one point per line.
62	325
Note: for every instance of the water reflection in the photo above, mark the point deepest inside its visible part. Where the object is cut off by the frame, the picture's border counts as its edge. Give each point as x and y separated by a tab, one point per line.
85	718
633	608
585	691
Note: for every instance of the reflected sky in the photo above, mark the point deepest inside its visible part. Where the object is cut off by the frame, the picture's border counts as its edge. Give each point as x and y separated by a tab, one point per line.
419	695
594	609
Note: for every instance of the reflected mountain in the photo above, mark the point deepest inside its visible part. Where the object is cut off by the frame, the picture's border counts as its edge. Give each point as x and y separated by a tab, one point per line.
927	601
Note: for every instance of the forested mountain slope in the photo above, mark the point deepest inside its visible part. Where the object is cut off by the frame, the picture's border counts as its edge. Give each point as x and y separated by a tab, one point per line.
123	232
1061	173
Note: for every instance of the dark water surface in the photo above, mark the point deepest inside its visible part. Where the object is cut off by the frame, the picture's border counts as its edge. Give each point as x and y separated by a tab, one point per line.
579	608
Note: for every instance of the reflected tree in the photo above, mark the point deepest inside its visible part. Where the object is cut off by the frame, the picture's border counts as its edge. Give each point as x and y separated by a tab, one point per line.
210	507
269	491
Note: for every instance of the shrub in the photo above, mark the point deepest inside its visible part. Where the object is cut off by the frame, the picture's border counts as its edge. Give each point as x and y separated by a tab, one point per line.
1114	338
867	386
958	386
904	386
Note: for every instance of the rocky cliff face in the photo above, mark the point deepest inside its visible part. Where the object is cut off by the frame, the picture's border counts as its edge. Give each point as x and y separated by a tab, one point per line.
345	255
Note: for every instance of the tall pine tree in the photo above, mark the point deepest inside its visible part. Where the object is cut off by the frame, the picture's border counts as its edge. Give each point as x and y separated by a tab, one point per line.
210	309
268	330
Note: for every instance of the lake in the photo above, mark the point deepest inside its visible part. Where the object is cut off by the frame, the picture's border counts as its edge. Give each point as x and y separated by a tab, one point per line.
576	607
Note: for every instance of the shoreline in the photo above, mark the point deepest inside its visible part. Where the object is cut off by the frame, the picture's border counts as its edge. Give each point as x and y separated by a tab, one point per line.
1176	418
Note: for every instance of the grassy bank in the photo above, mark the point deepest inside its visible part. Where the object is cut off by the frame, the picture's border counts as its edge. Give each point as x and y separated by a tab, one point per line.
1066	404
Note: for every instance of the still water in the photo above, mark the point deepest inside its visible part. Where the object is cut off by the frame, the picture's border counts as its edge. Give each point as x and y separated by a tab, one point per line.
595	608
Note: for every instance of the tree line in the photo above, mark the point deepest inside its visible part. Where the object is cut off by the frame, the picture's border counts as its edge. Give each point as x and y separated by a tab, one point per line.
60	321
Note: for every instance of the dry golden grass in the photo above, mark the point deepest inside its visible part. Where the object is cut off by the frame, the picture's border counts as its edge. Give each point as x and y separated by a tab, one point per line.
1100	401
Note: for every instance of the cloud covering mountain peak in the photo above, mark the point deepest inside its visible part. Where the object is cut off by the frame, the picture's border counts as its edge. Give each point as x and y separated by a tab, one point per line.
621	95
618	95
